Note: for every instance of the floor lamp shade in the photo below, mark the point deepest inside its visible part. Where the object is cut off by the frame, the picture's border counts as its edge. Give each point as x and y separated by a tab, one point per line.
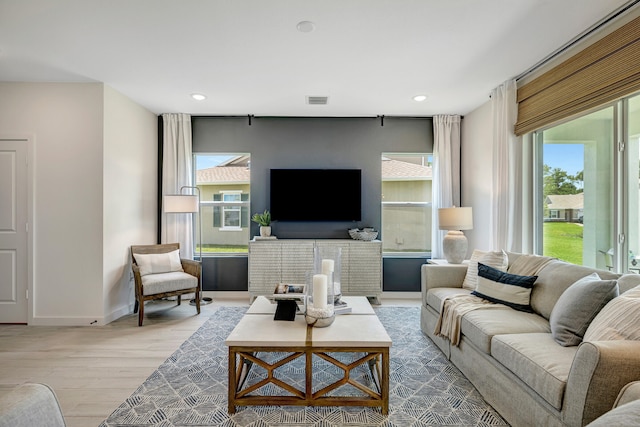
454	245
180	203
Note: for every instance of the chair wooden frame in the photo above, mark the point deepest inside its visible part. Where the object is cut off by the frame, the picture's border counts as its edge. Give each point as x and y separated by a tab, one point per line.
191	267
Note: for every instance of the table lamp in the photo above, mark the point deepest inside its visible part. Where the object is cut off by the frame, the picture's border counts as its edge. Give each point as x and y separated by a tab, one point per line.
454	245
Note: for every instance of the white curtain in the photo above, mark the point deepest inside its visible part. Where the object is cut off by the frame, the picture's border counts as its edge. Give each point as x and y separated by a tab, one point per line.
506	209
176	173
446	172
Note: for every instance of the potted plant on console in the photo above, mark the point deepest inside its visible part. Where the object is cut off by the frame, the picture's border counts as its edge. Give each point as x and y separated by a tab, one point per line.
264	220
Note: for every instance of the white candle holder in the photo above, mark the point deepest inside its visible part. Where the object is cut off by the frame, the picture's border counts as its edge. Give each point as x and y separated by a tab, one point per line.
328	259
319	309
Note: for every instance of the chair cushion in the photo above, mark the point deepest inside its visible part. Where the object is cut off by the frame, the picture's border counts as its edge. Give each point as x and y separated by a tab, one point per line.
577	307
158	263
538	361
167	282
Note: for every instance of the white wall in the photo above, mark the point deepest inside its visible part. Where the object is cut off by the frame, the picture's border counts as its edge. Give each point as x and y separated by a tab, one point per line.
66	123
129	195
477	166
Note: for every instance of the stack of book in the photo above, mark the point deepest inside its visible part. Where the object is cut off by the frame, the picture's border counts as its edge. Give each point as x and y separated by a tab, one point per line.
341	307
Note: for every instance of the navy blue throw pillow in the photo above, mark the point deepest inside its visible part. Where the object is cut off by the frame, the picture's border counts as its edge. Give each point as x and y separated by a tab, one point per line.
504	288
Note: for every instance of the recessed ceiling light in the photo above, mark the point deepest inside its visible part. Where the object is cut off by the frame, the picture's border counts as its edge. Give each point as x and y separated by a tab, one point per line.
419	98
305	26
198	96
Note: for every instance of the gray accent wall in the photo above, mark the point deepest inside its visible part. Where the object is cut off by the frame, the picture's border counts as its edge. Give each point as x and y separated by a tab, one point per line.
311	143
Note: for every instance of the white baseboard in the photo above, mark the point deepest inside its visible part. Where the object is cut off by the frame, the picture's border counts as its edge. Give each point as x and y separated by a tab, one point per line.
66	321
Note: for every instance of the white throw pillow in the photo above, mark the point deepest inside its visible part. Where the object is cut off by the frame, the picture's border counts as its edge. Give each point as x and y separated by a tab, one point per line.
497	260
618	320
158	263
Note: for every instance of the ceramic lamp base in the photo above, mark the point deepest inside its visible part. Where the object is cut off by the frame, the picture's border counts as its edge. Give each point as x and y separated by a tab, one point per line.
454	247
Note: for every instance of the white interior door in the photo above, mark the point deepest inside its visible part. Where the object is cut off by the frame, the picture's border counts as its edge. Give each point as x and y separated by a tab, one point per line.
13	231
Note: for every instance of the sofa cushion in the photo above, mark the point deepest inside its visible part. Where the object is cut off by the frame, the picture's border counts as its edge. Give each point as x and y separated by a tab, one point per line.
538	361
480	326
618	320
436	296
578	306
497	259
158	263
167	282
504	288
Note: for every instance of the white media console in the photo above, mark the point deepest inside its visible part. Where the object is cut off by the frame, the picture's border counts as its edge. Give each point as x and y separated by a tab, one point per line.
287	261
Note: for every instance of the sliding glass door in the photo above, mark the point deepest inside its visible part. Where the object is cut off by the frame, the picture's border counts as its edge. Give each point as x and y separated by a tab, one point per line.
632	183
588	184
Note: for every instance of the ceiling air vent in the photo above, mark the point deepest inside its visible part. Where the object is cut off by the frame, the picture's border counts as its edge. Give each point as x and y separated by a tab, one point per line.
317	100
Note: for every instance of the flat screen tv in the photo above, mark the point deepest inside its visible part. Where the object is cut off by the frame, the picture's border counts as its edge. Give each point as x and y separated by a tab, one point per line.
315	194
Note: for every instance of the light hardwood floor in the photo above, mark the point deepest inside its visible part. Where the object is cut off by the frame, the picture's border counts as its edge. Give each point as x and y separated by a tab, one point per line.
94	369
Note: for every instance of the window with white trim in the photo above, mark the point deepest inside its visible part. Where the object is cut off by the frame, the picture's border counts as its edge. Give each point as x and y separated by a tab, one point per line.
224	182
406	203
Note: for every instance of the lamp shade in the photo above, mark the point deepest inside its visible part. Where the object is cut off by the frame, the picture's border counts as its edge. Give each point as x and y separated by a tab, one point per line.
455	218
180	203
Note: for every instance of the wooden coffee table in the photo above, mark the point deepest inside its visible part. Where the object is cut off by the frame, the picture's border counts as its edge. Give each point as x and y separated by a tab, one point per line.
257	336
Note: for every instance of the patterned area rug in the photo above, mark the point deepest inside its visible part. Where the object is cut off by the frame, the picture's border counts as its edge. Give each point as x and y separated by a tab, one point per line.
190	388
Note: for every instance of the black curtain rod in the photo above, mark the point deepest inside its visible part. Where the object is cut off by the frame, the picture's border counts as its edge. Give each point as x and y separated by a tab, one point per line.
251	116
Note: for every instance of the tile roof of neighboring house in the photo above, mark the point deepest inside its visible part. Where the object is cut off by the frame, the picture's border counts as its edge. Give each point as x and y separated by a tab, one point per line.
391	170
396	169
566	201
226	174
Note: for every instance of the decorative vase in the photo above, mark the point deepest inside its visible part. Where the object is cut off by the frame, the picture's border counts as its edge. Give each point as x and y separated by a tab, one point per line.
327	259
265	230
318	308
454	246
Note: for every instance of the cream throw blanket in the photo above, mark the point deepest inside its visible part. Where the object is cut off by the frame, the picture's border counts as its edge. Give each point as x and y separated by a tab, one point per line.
455	306
451	312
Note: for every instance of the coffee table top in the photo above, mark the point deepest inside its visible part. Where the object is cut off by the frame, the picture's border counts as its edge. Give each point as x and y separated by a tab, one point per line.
348	331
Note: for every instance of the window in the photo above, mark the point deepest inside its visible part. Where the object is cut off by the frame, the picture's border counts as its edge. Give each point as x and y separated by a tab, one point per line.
231	213
224	183
589	188
406	203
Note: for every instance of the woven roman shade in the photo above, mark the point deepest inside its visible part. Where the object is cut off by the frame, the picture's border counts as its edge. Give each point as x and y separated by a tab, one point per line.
605	71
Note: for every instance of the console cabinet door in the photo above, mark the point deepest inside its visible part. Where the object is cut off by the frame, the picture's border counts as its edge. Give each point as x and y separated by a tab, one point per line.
297	259
265	269
365	269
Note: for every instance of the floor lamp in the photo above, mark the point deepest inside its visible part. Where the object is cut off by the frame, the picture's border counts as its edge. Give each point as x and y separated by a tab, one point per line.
187	203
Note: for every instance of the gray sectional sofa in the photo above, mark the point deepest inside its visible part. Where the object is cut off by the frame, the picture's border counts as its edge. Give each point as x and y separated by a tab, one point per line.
512	358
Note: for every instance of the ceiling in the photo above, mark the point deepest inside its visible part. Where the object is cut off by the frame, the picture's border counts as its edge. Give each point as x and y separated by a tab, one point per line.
370	57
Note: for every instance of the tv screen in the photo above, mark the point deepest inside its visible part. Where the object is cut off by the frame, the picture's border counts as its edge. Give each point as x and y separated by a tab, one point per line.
315	195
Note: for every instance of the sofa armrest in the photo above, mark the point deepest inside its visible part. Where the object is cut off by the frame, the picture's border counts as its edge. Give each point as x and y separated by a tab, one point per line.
30	405
442	276
599	371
